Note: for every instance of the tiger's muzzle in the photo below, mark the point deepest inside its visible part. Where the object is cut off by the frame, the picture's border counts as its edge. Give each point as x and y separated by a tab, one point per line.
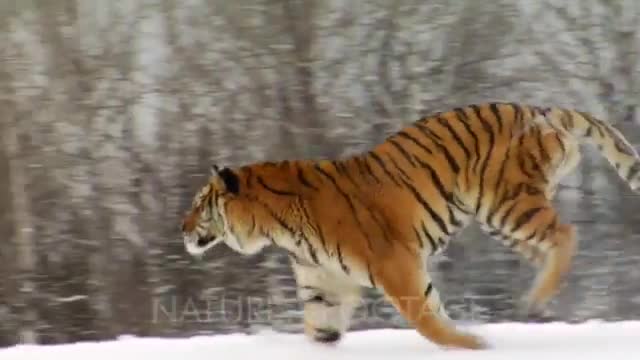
197	245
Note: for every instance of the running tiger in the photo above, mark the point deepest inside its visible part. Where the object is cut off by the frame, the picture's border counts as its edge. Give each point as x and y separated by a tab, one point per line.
372	219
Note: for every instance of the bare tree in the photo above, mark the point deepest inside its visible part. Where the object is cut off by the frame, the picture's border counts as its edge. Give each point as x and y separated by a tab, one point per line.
23	239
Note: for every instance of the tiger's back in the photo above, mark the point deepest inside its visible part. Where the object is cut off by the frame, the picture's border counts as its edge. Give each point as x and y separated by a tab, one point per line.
427	181
470	162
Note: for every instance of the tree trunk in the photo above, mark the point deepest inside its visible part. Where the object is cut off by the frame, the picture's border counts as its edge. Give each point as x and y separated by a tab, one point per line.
23	239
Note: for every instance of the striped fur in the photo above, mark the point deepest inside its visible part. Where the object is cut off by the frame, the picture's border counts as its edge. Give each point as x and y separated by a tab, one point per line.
371	219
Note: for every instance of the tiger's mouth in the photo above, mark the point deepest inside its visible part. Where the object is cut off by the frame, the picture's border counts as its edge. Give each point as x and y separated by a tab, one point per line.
198	245
204	241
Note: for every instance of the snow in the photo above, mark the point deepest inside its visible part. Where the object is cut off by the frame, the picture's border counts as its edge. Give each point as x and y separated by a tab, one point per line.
589	340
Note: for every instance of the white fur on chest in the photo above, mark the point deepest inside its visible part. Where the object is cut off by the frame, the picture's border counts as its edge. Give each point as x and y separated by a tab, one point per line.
356	275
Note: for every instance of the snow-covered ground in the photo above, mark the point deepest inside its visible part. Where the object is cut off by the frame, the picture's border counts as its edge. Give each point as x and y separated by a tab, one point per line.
591	340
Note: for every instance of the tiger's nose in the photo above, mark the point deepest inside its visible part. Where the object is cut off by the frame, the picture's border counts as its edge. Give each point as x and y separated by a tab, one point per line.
188	223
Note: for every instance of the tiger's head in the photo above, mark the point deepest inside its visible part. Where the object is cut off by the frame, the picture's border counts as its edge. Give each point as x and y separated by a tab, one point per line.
219	214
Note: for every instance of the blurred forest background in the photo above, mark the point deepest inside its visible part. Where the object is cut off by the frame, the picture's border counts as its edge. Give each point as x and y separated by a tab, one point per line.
111	113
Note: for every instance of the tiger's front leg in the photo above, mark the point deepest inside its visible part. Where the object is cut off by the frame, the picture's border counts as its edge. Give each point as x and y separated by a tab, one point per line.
329	302
326	314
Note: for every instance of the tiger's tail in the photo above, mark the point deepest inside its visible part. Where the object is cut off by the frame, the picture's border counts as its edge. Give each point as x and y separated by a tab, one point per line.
609	140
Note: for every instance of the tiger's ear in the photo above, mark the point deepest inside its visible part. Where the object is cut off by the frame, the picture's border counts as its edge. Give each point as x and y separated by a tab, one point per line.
215	170
229	179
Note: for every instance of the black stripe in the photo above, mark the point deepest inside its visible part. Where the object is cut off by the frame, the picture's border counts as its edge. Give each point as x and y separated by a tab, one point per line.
437	142
522	157
525	217
316	227
561	143
436	180
633	171
517	114
338	166
248	176
569	116
395	165
275	191
547	229
348	200
423	127
455	136
428	291
564	121
311	250
543	151
322	239
434	215
342	169
432	241
364	168
417	233
487	127
589	132
276	217
380	222
382	165
297	235
499	199
271	238
459	204
547	119
293	257
212	199
494	233
406	135
442	241
496	112
528	237
531	236
536	167
371	279
507	214
618	141
621	146
503	197
252	227
361	169
464	119
403	151
370	170
341	260
595	123
303	179
452	218
319	299
501	172
522	166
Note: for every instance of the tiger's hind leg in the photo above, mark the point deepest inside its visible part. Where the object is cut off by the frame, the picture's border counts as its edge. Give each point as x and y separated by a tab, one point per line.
529	225
408	287
557	262
329	303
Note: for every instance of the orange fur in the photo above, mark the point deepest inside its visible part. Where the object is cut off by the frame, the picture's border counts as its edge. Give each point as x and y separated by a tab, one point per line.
371	219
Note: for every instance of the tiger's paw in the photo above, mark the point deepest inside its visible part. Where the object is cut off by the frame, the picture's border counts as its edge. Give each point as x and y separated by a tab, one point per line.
462	340
532	312
470	341
324	336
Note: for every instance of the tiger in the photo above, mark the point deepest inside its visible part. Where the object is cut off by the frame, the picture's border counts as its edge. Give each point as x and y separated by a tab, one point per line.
372	219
